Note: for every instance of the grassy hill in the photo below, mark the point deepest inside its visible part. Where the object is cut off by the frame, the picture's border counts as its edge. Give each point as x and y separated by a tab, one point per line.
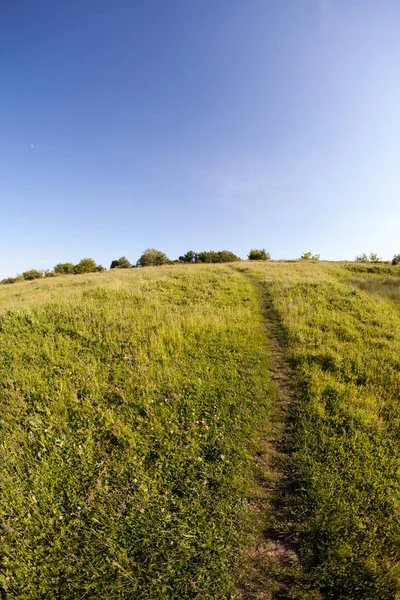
134	406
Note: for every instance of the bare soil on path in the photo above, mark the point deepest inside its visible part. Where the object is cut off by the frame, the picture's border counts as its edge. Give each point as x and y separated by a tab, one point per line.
271	568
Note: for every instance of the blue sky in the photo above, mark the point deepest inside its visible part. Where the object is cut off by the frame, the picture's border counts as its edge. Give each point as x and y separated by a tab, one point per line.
198	124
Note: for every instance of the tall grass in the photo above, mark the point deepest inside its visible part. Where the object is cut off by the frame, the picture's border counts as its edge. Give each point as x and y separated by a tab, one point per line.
130	406
343	508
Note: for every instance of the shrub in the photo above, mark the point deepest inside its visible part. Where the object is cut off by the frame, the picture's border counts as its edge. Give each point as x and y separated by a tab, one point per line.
32	274
153	258
261	254
396	259
121	263
309	256
99	269
189	257
86	265
64	268
373	257
8	280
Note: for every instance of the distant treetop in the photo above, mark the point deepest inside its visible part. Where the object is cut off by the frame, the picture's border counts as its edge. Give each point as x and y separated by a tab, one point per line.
260	254
209	256
153	258
373	257
121	263
309	256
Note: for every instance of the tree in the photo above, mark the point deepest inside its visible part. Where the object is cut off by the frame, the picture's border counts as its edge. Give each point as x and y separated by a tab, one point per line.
86	265
309	256
64	268
212	256
396	259
153	258
373	257
259	254
189	257
32	274
121	263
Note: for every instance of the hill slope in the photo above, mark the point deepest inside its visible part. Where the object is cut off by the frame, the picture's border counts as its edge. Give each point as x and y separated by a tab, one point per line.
134	403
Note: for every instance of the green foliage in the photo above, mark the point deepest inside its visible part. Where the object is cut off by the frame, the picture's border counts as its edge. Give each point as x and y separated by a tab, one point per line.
9	280
153	258
130	404
32	274
86	265
121	263
64	268
189	257
99	269
309	256
209	257
261	254
396	259
377	268
373	257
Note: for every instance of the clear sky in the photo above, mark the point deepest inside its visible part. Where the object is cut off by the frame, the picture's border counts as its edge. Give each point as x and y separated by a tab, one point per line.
198	124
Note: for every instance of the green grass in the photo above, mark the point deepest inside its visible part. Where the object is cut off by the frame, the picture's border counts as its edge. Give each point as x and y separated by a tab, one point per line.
343	505
131	403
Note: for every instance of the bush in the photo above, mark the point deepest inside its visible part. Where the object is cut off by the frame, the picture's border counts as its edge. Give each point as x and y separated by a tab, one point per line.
64	268
309	256
121	263
373	257
153	258
259	254
210	256
86	265
99	269
396	259
32	274
189	257
9	280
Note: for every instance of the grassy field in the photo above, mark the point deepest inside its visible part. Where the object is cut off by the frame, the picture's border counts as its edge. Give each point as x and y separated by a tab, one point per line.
130	407
134	401
341	506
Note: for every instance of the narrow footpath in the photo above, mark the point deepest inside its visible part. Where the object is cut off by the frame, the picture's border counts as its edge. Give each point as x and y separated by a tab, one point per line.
271	568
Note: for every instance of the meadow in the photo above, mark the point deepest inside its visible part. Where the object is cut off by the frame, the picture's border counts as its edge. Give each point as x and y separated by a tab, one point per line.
134	403
130	406
341	499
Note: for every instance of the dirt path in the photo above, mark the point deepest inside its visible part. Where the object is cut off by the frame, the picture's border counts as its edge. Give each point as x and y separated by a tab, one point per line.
271	567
